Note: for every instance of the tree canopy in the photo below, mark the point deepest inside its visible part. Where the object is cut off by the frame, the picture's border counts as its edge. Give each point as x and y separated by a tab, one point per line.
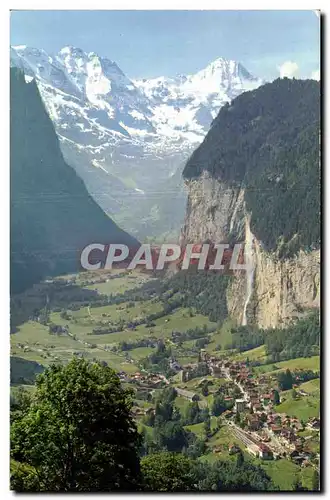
78	432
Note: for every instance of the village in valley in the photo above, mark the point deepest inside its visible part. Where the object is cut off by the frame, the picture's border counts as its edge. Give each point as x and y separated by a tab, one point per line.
251	416
155	344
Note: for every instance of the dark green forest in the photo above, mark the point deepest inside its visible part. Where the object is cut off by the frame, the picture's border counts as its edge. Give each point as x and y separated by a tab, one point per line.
203	290
267	141
299	339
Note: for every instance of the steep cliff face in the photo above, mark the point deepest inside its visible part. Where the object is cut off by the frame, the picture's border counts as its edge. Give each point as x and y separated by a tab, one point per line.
279	291
261	187
272	290
214	210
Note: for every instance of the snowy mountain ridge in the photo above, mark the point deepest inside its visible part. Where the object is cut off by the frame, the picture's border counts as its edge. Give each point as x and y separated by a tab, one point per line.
177	108
126	136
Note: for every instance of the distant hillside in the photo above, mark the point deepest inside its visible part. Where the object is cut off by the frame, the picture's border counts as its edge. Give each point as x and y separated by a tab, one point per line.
52	215
267	142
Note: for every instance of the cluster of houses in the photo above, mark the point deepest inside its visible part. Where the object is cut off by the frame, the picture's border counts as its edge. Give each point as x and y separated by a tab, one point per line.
144	380
194	370
261	450
314	424
266	433
257	409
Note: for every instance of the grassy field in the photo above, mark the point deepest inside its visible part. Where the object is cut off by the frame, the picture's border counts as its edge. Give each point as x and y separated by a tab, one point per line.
195	383
222	440
312	363
126	281
312	386
285	473
44	348
39	345
257	354
304	407
181	403
198	429
222	338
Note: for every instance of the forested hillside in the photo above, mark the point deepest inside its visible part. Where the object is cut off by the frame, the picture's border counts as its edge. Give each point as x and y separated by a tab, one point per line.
52	215
267	141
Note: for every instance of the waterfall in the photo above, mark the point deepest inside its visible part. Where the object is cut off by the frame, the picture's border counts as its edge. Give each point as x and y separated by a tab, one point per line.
250	266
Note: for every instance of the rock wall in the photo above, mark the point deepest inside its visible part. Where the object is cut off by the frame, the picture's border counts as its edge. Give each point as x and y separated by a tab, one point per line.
214	210
281	289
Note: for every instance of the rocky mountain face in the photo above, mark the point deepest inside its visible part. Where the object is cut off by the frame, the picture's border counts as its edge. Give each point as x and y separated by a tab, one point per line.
52	215
127	138
256	179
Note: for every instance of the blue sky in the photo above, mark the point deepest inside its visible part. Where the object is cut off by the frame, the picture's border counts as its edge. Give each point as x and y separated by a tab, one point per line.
153	43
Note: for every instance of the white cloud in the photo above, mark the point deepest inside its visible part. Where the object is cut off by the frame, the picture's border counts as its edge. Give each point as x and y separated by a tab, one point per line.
316	75
289	69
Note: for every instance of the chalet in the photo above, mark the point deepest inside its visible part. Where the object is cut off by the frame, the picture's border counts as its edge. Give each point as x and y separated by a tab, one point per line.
240	405
204	355
253	422
191	396
297	426
252	392
265	453
253	449
241	377
314	424
254	402
276	430
233	448
288	435
233	371
298	447
216	371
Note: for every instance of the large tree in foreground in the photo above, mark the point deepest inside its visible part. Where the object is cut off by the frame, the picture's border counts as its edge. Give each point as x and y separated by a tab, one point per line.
78	433
169	472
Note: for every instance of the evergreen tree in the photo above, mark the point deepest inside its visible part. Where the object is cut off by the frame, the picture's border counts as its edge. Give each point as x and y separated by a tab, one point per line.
207	425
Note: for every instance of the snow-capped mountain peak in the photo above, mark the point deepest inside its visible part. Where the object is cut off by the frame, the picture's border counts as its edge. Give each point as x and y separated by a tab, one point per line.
222	74
135	131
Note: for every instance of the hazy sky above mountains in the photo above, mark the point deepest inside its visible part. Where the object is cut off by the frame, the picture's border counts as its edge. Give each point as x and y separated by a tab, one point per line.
153	43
